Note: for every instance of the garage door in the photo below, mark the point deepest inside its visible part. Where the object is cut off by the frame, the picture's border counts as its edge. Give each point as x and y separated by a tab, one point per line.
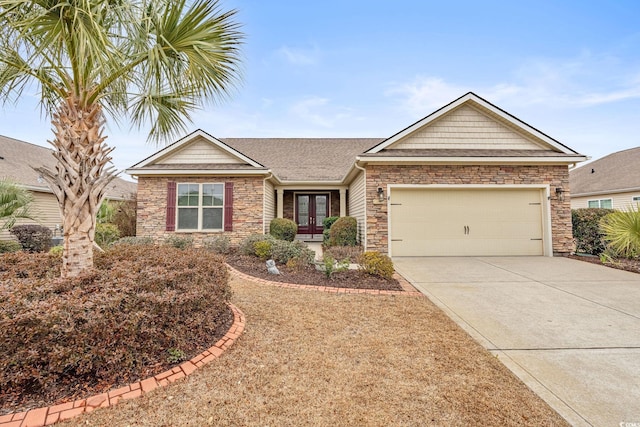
466	222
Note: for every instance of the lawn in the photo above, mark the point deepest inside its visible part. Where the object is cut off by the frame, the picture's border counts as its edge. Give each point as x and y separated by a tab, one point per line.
312	358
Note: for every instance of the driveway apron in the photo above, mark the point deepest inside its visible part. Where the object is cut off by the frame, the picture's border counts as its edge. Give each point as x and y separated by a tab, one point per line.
569	329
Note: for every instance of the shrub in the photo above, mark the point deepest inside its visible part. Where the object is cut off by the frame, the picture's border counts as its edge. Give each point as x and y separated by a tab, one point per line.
134	240
262	249
32	237
283	229
179	242
56	251
247	247
344	232
330	266
109	326
124	216
352	253
326	224
9	246
106	234
377	264
283	252
586	229
24	265
219	244
621	231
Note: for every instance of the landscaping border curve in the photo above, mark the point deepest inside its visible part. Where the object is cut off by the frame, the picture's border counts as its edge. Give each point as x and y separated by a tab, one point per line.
328	289
52	414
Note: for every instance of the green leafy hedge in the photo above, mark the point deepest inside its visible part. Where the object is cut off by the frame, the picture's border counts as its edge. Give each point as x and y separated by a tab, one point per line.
283	229
344	232
586	230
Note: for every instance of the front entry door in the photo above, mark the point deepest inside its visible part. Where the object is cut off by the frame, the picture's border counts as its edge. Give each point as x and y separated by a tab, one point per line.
311	210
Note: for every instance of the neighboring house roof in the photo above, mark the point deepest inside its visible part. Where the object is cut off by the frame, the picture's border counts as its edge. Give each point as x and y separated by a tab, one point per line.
18	158
615	173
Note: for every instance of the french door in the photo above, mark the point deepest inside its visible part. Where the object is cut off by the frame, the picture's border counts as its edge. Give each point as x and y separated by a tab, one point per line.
311	210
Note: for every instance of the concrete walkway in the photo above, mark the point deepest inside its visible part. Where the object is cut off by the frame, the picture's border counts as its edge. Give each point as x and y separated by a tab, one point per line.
569	329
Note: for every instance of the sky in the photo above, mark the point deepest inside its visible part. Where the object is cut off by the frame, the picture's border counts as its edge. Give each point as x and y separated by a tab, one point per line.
353	68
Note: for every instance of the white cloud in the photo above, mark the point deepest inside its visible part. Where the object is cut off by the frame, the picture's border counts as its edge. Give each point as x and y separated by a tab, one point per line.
309	110
298	56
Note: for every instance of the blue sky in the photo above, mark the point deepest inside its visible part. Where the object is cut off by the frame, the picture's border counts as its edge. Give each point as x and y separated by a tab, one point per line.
370	68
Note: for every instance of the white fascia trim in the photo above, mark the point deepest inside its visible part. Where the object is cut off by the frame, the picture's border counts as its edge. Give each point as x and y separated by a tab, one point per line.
187	139
546	216
472	160
192	172
605	192
334	185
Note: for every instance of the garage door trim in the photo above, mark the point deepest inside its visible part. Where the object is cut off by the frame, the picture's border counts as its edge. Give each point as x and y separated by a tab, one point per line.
546	208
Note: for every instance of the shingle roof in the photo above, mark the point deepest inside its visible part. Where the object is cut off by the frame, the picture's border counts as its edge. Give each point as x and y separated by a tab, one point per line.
449	152
316	159
615	172
18	158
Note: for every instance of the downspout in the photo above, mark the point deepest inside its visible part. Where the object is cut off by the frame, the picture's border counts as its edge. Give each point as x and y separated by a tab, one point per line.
264	202
364	226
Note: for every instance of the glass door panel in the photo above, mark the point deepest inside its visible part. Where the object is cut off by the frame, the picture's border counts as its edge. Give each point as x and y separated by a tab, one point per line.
321	204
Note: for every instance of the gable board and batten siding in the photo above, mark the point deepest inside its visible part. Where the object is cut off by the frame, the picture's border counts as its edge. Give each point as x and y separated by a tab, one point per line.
200	151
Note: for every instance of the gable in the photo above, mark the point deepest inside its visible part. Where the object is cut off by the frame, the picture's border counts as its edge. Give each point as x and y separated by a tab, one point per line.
467	128
199	151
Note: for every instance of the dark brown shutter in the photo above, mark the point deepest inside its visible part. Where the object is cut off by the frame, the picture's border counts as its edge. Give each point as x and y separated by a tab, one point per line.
228	206
171	206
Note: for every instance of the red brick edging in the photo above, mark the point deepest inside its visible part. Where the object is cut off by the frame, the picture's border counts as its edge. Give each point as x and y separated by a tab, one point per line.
49	415
327	289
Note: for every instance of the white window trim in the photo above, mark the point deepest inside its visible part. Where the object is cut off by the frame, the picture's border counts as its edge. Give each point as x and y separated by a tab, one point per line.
600	202
200	208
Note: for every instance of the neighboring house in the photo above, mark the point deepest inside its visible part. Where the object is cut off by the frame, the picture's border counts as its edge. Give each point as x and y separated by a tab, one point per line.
17	160
469	179
610	182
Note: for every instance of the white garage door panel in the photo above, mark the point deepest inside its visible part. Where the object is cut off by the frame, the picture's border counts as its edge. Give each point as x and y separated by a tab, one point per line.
469	222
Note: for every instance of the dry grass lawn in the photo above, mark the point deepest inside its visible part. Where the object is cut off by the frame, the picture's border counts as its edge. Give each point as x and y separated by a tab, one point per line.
316	359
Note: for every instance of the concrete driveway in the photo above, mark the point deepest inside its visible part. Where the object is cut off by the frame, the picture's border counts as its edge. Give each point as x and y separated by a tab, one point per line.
569	329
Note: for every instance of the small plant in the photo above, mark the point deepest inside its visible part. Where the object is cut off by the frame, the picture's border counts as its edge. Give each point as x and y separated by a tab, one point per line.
344	232
56	251
352	253
7	246
175	356
33	238
621	230
179	242
377	264
262	249
106	234
282	252
283	229
15	203
218	244
246	245
329	266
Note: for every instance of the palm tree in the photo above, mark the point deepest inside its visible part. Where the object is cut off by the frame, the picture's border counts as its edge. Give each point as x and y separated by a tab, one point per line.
150	61
15	203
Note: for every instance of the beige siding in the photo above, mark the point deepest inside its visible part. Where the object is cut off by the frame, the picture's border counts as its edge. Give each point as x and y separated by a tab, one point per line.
44	210
357	204
466	128
269	204
620	201
200	151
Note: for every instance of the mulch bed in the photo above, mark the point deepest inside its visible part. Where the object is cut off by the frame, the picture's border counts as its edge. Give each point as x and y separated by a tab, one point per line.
352	279
632	265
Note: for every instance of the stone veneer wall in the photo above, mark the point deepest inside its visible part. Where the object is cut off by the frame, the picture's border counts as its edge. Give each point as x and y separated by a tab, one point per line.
555	176
247	207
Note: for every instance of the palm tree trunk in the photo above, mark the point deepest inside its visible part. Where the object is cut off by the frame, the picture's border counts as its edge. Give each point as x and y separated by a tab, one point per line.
80	179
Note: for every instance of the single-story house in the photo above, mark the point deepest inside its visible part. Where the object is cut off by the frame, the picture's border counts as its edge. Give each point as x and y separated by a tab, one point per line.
17	160
610	182
468	179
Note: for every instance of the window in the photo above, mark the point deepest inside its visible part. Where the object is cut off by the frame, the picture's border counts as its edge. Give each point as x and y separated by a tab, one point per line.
200	206
636	199
602	203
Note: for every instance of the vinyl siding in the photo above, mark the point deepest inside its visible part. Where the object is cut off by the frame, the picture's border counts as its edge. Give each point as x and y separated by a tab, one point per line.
200	151
466	128
269	204
620	201
357	205
44	210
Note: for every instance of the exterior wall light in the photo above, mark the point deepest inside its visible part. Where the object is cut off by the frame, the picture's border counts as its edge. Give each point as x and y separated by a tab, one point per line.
380	195
560	194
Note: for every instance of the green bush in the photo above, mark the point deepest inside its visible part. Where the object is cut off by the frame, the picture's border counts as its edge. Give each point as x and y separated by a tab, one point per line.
247	247
283	229
377	264
219	244
621	230
262	249
134	240
111	326
330	266
586	229
56	251
106	234
326	226
344	232
124	216
283	251
9	246
179	242
33	238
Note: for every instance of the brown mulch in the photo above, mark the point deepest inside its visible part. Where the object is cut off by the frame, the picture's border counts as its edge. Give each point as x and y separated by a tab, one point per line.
352	279
632	265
